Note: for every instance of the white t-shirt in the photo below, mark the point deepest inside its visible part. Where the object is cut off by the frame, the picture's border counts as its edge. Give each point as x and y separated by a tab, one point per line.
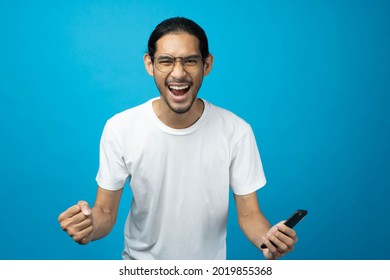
179	179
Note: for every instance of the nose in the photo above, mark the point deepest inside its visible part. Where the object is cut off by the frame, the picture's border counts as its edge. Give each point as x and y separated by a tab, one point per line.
178	69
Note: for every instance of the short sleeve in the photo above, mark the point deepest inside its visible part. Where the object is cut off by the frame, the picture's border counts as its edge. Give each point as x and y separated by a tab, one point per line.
246	169
112	173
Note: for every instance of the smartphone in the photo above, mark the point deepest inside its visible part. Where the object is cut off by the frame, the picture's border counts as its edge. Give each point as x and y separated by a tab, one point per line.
292	221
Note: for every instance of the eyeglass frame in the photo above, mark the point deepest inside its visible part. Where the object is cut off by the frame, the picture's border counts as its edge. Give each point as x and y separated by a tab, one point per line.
175	60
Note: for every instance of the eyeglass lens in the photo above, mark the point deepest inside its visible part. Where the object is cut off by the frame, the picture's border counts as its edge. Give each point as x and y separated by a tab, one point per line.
166	63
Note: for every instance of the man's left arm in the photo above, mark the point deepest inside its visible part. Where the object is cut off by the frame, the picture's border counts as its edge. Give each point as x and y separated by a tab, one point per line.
258	230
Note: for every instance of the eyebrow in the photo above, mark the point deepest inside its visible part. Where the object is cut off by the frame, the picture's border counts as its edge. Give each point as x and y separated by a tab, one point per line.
192	56
185	57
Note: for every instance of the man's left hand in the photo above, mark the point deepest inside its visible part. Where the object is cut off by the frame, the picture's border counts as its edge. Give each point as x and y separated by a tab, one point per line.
283	240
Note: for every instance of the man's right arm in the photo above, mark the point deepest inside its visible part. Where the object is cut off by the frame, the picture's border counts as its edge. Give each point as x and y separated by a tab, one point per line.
84	224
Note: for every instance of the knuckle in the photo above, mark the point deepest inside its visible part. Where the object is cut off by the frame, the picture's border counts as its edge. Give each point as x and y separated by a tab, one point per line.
88	221
283	247
274	250
77	240
77	237
278	233
72	233
64	225
290	242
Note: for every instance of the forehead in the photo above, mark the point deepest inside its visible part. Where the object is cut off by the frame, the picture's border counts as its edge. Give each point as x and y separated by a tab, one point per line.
178	44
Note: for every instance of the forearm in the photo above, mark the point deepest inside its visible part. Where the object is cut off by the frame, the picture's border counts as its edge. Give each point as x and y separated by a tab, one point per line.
103	222
105	211
250	218
255	226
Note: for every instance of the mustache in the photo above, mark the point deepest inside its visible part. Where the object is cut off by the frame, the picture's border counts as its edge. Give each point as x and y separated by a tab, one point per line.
179	81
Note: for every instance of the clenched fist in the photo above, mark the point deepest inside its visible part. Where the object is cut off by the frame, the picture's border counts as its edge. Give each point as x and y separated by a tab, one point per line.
77	221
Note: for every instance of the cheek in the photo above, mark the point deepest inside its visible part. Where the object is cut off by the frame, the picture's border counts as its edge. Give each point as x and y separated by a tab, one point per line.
198	81
159	79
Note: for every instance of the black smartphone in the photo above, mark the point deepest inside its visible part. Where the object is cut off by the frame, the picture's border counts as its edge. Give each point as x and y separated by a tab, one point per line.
292	221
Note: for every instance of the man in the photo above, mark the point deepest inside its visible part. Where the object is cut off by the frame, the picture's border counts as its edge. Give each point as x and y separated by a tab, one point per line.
181	154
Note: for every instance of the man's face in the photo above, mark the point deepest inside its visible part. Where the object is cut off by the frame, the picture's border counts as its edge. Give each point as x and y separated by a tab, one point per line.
178	88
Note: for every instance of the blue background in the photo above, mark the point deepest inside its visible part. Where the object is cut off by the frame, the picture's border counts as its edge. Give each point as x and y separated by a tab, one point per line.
311	77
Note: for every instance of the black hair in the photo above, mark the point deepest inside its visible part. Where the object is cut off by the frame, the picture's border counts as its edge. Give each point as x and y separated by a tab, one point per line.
178	24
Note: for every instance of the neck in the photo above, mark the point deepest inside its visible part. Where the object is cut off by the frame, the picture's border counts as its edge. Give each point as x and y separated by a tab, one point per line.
175	120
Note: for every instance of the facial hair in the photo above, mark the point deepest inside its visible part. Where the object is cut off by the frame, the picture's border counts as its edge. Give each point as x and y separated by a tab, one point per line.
180	110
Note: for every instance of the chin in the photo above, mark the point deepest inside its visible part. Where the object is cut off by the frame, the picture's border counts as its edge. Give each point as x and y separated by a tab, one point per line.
180	109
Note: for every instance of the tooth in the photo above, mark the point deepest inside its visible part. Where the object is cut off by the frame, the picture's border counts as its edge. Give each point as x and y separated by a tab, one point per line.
179	87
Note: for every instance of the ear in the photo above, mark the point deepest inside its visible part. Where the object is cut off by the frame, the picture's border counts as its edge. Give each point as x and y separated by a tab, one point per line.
148	64
208	64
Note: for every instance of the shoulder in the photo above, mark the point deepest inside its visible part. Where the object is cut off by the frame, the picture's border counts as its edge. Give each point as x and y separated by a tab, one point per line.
228	118
128	117
224	124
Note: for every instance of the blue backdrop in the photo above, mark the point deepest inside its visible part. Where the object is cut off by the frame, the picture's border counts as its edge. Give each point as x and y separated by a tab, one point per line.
311	77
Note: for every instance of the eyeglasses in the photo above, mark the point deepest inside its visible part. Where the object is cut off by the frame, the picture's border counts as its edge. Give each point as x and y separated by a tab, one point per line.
166	63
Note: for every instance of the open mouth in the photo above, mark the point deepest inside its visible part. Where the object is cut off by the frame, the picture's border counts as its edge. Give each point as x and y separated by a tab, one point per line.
179	90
